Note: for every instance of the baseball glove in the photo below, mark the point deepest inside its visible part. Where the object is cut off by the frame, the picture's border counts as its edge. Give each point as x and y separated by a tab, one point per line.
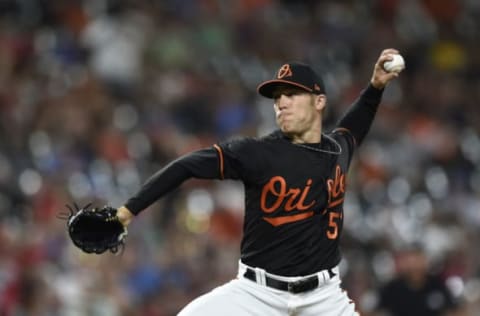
95	230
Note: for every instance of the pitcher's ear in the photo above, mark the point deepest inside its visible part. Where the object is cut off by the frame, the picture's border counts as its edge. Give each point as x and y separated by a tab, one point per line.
320	101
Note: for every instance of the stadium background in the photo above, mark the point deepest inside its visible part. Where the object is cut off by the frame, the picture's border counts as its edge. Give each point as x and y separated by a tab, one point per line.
96	95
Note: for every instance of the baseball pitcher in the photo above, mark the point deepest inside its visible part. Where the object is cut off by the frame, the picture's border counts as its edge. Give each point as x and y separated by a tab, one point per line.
294	181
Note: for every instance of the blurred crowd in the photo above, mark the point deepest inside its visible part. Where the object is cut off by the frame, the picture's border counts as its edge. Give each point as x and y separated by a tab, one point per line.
97	95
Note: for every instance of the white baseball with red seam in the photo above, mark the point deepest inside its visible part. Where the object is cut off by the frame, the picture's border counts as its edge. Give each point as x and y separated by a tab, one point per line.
397	64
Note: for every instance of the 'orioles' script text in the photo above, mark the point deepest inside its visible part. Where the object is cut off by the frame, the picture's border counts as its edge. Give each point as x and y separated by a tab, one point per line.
294	199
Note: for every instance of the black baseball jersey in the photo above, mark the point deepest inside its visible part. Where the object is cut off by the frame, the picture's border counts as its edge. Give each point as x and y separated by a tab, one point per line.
293	200
294	193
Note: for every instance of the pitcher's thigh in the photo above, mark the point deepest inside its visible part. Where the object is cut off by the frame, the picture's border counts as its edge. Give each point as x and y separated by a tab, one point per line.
329	300
236	298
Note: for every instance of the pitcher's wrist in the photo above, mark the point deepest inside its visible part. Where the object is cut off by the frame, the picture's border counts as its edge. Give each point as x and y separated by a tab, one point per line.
124	215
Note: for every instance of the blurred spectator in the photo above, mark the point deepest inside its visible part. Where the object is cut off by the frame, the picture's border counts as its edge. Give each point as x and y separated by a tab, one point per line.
95	95
416	290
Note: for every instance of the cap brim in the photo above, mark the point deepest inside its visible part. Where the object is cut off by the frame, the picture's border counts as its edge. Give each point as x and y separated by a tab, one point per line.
266	88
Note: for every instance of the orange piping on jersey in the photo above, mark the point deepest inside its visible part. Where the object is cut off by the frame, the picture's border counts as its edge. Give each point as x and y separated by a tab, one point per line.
343	129
280	220
220	155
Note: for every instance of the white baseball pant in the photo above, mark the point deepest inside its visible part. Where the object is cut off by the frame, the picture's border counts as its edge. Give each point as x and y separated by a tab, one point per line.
243	297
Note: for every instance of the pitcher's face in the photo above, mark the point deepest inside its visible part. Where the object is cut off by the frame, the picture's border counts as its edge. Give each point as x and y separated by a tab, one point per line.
296	110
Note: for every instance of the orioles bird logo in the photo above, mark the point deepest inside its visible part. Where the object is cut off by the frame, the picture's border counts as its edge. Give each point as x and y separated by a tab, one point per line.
285	71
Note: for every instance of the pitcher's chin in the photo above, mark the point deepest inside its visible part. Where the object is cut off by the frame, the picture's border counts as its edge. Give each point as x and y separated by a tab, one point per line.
286	129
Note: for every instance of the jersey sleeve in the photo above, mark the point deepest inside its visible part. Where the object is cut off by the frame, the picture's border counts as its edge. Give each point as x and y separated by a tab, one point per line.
346	141
201	164
238	158
359	117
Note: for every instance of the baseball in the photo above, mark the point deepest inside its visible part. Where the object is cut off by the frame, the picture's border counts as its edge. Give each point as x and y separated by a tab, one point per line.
397	64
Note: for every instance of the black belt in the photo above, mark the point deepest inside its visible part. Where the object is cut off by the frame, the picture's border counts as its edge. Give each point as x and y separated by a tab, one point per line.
302	285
